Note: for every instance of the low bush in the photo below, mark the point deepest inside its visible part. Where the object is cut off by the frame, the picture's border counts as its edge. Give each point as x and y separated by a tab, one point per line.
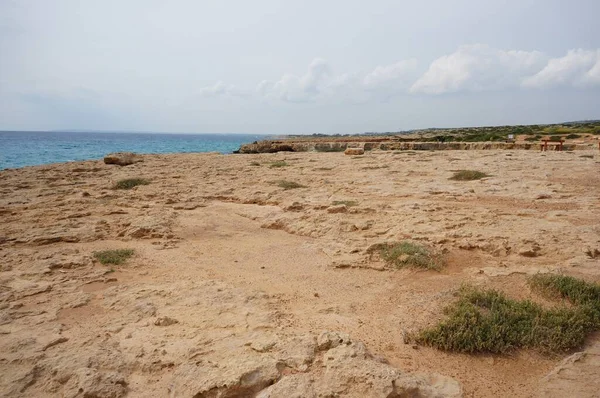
407	254
113	256
488	321
130	183
289	184
468	175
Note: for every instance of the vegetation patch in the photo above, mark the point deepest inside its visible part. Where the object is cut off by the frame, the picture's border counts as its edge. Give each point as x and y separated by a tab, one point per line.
288	184
468	175
129	183
254	164
348	203
536	137
116	257
485	320
407	254
279	163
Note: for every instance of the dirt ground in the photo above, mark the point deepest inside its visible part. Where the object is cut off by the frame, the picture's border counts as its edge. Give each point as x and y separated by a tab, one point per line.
235	279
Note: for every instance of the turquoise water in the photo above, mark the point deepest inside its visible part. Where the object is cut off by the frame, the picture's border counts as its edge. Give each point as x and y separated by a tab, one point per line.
19	148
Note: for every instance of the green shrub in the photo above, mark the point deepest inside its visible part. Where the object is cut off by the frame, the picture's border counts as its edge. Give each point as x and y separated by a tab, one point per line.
572	136
113	256
130	183
536	137
468	175
577	291
278	163
254	164
488	321
407	254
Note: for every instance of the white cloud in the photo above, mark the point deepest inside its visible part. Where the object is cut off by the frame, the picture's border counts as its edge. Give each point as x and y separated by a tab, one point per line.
472	68
319	82
220	89
579	68
395	74
476	68
292	88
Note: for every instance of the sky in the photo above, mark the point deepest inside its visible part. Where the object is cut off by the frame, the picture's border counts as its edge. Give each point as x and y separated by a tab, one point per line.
294	67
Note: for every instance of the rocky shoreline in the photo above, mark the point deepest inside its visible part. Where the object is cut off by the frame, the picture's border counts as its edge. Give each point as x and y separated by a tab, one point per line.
253	275
290	145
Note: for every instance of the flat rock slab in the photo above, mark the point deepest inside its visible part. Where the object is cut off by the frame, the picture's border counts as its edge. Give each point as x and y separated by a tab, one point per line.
575	376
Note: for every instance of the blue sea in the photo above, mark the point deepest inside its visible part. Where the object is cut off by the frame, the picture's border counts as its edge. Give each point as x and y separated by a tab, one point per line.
20	148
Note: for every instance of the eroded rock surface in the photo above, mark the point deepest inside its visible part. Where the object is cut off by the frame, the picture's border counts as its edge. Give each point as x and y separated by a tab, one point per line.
234	279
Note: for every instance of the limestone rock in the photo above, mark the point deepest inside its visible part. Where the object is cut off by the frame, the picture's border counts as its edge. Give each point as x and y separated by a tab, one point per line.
345	368
337	209
354	151
88	382
575	376
122	158
243	376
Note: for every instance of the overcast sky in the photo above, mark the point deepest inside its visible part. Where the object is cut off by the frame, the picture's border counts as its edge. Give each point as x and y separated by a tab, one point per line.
284	66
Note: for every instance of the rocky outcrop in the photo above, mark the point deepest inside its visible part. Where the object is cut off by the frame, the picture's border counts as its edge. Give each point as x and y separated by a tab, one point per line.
384	145
332	365
122	158
354	151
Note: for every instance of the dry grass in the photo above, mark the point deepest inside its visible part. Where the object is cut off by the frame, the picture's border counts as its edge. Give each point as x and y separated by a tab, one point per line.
278	163
129	183
488	321
288	184
468	175
113	256
407	254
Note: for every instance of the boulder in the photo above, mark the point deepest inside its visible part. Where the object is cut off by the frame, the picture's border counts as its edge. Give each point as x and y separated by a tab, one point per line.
122	158
354	151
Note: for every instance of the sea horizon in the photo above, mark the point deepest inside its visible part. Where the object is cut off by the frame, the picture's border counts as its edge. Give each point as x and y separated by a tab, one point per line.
33	148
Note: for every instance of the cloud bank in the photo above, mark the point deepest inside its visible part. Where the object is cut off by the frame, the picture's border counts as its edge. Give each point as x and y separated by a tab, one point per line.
579	68
471	68
478	68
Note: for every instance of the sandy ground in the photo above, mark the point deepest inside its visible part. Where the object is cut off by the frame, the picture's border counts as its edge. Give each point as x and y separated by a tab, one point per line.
231	270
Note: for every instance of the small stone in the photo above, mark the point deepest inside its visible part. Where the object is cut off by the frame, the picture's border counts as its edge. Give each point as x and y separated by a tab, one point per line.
165	321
